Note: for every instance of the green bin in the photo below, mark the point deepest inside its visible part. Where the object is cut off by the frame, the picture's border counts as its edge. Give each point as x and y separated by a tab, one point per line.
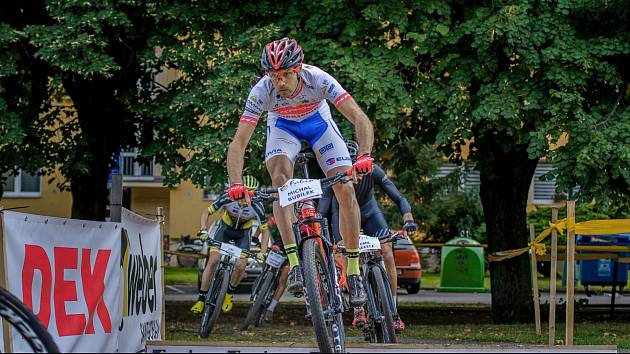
462	267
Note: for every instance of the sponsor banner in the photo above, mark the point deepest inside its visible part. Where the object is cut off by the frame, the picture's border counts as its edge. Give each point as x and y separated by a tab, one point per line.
141	265
296	190
68	273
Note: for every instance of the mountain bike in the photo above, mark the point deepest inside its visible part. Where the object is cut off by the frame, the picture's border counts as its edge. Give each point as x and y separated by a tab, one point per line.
380	307
264	288
324	301
219	284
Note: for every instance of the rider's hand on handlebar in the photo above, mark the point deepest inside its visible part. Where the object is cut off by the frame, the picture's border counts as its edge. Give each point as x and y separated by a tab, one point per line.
410	226
260	257
363	165
202	234
238	192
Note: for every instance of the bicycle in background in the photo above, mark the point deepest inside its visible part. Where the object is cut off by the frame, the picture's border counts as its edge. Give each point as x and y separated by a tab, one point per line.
219	284
264	288
380	307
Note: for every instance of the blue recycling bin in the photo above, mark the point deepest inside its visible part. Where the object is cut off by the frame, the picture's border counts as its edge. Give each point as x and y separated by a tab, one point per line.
600	271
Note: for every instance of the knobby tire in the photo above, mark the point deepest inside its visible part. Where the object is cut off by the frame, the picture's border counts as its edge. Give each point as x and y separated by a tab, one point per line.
25	322
377	282
314	266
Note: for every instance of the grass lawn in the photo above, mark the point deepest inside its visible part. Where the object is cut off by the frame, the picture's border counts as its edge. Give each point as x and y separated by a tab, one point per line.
601	333
180	275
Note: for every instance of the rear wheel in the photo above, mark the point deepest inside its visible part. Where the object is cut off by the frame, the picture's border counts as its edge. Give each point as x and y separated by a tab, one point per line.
24	321
320	291
213	305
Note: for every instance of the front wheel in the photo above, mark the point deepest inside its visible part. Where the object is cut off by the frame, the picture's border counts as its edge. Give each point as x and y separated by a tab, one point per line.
383	301
254	311
213	304
24	321
320	291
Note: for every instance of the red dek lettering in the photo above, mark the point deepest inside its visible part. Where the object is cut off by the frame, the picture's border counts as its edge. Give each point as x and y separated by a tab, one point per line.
93	286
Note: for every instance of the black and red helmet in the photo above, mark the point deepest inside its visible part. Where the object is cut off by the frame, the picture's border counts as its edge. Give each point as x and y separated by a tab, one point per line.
282	54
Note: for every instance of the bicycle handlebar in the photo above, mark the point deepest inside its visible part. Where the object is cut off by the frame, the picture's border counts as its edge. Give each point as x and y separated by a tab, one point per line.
328	181
391	237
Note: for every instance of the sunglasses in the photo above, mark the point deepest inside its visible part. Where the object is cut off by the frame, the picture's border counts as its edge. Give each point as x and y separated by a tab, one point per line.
284	72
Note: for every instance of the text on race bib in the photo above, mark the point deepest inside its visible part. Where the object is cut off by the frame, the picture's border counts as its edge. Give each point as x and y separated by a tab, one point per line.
230	250
275	260
296	190
369	244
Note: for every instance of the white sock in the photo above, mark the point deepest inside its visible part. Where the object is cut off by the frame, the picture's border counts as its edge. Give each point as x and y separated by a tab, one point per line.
395	299
273	305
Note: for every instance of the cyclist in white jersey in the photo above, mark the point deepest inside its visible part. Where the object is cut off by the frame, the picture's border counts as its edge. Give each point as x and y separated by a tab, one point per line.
294	95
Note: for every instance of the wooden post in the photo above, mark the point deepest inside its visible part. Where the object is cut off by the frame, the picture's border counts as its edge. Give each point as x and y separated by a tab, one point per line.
532	236
160	217
552	280
570	271
6	328
115	198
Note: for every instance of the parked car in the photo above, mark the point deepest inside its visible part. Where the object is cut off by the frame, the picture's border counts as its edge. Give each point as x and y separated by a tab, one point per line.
408	265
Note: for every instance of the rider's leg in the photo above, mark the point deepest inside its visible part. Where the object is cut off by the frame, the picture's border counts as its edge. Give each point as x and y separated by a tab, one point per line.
239	272
282	285
281	170
390	267
213	260
349	219
349	225
211	266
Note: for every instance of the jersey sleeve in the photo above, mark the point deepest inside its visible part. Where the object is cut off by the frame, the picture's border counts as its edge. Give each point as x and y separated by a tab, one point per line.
386	184
332	90
259	209
219	203
257	102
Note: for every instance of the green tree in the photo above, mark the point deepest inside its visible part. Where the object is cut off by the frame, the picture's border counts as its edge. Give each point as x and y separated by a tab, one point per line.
90	51
512	77
29	128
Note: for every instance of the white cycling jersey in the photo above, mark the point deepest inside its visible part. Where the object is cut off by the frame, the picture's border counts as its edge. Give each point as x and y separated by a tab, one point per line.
303	117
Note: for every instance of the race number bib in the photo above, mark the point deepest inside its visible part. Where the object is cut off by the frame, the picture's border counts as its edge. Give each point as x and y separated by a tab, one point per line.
230	250
275	260
296	190
368	244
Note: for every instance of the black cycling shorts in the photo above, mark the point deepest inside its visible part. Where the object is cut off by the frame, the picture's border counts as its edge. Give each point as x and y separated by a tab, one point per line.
239	237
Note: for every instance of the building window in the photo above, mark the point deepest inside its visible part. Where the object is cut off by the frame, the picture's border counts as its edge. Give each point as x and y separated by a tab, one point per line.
22	185
132	169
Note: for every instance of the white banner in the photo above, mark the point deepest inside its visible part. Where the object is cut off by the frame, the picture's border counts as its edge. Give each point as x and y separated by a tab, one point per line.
142	276
68	272
296	190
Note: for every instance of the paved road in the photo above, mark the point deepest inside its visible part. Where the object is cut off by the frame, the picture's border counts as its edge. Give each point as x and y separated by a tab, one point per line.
189	293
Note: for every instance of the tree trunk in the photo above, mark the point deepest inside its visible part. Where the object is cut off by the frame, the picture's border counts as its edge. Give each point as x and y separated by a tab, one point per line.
105	129
505	180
